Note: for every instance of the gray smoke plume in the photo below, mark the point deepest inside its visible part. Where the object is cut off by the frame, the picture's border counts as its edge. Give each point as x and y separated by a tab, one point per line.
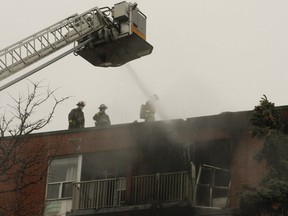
146	92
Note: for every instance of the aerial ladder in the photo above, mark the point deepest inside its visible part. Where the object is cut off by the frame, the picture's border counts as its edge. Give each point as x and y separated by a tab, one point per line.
105	37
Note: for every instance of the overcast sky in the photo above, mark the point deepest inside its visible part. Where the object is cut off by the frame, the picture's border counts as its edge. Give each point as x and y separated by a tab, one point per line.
210	56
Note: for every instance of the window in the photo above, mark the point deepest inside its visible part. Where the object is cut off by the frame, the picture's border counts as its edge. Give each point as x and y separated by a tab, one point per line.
62	172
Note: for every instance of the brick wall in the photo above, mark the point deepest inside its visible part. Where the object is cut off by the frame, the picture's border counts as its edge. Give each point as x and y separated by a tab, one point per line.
244	168
229	126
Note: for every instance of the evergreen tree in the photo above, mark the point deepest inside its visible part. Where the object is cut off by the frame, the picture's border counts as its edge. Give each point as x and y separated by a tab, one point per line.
271	197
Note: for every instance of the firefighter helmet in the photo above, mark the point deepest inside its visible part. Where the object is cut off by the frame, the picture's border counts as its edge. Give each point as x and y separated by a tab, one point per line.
81	103
103	106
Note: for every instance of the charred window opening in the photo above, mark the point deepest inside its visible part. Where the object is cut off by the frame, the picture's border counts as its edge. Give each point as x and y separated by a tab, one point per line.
104	165
212	159
215	153
161	151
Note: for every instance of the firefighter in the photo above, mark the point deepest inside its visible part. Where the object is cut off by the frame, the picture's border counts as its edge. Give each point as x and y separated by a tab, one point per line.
101	118
148	110
76	116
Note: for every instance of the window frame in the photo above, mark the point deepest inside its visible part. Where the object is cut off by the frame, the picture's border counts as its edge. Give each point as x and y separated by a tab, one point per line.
61	183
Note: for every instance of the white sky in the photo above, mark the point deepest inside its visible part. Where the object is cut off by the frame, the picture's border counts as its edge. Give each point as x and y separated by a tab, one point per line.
210	56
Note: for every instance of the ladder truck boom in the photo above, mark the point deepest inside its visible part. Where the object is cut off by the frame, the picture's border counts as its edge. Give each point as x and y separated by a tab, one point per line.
105	37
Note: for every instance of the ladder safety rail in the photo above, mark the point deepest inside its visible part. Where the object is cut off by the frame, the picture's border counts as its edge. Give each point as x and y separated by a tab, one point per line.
74	49
43	43
105	37
37	33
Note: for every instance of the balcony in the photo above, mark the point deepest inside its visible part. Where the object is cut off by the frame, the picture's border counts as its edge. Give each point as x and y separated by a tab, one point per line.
138	192
175	193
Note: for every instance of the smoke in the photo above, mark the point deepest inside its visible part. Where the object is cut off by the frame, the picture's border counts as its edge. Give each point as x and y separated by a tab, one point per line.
146	92
138	82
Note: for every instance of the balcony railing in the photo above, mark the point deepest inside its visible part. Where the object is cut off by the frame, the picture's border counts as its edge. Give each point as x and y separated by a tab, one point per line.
99	193
165	187
212	187
145	189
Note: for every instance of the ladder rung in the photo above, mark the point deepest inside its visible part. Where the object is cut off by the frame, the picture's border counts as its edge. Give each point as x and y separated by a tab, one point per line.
47	41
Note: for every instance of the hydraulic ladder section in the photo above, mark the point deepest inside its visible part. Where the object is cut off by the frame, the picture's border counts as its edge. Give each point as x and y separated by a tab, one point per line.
105	37
45	42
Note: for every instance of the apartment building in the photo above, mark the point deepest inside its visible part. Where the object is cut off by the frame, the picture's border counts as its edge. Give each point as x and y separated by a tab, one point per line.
194	166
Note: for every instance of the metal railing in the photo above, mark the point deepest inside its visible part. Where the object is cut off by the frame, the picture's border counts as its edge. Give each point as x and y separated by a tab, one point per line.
212	186
164	187
99	193
146	189
50	39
